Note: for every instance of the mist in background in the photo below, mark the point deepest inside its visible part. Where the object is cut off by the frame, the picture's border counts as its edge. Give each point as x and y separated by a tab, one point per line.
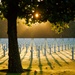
42	30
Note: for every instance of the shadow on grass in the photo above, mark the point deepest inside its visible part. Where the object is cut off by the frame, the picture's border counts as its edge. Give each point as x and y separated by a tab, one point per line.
49	63
56	60
1	57
8	73
68	53
40	65
3	61
35	72
30	65
23	56
63	59
65	55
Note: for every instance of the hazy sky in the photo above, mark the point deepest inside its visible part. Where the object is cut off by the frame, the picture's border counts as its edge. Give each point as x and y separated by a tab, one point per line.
36	30
42	30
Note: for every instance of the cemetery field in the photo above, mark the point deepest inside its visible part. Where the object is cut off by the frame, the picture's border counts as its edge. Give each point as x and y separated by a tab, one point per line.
47	59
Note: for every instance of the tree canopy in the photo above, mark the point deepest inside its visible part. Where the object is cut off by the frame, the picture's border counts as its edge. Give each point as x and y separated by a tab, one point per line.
56	11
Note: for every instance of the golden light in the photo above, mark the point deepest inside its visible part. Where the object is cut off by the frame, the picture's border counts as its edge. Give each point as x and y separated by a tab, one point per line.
30	19
36	15
33	11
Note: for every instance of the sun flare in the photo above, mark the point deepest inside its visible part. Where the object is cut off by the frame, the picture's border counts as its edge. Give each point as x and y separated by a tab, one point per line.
36	15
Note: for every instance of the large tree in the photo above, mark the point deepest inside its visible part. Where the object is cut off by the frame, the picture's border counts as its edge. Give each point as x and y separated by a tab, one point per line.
10	10
58	12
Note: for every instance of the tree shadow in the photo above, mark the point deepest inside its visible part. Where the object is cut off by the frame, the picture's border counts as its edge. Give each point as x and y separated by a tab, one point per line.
40	65
8	73
63	59
13	74
56	60
49	63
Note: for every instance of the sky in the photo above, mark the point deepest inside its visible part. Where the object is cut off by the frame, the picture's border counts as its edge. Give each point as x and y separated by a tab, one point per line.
42	30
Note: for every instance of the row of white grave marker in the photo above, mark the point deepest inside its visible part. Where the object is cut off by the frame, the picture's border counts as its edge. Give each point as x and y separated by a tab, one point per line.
45	48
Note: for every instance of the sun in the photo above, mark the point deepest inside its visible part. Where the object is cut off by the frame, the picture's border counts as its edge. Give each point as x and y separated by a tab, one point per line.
36	15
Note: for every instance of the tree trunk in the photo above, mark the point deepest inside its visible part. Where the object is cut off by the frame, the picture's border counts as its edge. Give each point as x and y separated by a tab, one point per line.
14	62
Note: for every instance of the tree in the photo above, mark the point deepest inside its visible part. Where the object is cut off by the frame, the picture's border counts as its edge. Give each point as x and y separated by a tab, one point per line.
14	62
58	12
